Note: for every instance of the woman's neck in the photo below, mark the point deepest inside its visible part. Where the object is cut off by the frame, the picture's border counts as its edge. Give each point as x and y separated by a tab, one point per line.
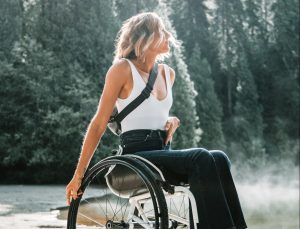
145	66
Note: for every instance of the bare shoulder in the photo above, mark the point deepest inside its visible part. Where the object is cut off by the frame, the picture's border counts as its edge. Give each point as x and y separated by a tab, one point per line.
172	74
118	72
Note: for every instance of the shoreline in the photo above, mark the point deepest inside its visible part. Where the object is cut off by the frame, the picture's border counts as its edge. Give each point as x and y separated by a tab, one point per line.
43	206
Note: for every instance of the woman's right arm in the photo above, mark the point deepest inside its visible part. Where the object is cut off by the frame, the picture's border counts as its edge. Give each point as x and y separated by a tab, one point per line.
114	81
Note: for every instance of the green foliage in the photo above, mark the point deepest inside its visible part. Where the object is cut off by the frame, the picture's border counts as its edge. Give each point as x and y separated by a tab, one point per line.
236	88
10	26
43	106
247	120
208	106
192	26
126	9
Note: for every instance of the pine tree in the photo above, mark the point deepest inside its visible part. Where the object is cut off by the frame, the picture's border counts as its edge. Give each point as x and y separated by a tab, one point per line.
33	88
241	102
192	26
282	119
82	33
208	106
11	19
126	9
247	122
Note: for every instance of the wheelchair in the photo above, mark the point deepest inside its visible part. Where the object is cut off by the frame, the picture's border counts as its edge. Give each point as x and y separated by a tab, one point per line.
128	191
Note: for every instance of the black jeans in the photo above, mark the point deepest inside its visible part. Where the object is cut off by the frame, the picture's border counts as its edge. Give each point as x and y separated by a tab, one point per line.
207	172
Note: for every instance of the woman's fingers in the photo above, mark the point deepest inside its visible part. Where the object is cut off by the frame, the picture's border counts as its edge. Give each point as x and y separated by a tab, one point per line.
169	139
71	193
169	134
68	195
74	194
168	125
172	124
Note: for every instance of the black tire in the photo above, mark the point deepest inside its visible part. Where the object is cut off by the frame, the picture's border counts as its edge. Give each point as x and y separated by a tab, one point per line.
91	211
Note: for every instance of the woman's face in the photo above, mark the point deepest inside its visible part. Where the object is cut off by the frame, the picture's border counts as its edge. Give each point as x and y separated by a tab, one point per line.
164	45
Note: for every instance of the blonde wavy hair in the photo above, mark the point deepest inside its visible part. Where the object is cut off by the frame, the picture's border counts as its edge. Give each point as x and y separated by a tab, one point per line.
137	34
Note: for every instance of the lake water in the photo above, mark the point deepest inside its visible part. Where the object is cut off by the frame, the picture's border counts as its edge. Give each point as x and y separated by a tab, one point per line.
265	206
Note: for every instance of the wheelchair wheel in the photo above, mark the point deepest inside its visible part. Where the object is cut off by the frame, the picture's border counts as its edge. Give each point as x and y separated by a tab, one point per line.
119	192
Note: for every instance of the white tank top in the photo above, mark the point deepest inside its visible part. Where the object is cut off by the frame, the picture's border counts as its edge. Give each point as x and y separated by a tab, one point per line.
151	113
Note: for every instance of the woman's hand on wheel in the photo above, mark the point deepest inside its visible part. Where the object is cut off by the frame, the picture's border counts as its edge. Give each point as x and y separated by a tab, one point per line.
172	124
72	189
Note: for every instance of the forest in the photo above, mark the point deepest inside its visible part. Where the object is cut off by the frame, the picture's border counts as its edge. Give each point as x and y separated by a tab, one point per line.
236	88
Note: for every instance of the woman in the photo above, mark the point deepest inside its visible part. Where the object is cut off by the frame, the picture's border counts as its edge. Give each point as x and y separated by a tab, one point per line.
147	131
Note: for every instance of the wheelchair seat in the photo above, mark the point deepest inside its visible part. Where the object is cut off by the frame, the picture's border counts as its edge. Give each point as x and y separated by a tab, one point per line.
124	182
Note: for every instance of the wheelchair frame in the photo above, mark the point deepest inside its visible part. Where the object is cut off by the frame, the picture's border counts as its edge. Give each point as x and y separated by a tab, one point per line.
168	191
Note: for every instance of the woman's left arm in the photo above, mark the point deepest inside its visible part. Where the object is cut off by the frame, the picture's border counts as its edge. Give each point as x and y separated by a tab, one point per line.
173	122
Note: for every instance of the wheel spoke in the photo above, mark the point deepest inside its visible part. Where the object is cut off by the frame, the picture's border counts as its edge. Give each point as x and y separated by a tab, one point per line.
90	219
